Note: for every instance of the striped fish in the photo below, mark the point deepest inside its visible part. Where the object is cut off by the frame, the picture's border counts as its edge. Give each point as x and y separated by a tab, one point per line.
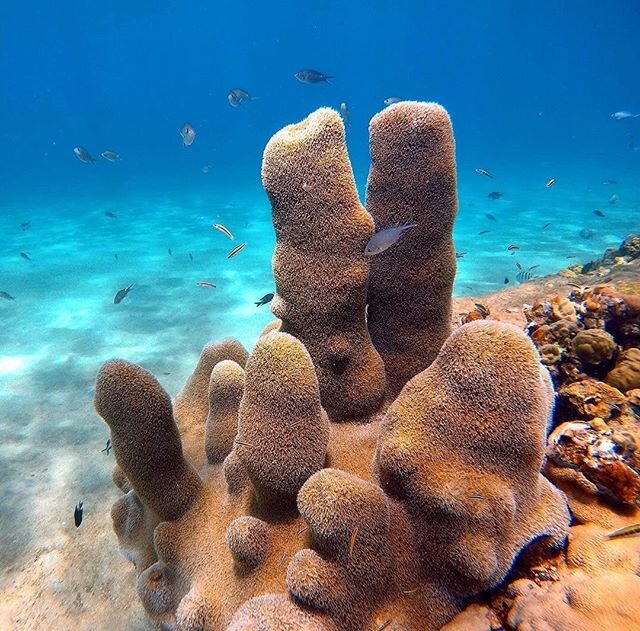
223	229
627	531
236	250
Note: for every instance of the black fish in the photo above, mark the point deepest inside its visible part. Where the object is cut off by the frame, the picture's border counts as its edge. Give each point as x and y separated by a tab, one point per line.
264	300
6	296
546	225
107	447
483	232
77	514
311	76
108	213
190	256
495	195
25	226
169	252
598	213
481	309
460	255
25	256
506	280
121	295
115	256
490	217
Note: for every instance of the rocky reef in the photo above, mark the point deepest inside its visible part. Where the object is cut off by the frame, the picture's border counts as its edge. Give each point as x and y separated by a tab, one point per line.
358	473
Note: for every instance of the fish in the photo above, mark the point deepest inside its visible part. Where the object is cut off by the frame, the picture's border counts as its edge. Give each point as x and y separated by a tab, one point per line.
633	529
112	156
267	298
610	182
391	100
384	625
115	256
169	252
311	76
495	195
621	116
302	530
506	280
205	283
481	309
121	294
77	514
83	155
460	255
523	276
344	113
550	182
352	540
483	232
518	265
513	247
6	296
188	134
484	172
237	96
614	199
490	217
25	256
108	213
206	168
107	447
190	256
384	239
571	256
223	229
546	225
477	497
237	250
25	226
598	213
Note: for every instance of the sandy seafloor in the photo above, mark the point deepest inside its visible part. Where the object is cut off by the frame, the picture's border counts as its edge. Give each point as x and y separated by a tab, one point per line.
63	325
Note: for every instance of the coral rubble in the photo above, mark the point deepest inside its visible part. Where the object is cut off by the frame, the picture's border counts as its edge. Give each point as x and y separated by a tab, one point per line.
297	487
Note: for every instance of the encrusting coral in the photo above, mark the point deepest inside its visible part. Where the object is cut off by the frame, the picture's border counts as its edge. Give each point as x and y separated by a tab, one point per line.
248	506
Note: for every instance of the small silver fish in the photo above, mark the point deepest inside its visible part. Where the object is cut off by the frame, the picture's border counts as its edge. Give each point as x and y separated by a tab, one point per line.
223	229
121	294
391	100
384	239
614	199
620	116
311	76
237	96
112	156
188	134
344	113
205	283
484	172
236	250
83	155
550	182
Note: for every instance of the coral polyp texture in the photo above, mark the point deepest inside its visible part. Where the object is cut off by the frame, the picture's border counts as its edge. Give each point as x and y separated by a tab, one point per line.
290	488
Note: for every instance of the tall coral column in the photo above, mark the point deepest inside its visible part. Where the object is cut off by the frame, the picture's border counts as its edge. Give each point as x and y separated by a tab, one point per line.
412	180
319	265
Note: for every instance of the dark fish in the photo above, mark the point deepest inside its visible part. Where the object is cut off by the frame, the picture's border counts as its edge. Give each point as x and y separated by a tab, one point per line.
384	625
108	213
121	295
83	155
460	255
25	226
205	283
169	252
550	182
188	134
190	256
107	447
506	280
533	267
384	239
311	76
236	250
484	172
237	96
571	256
391	100
513	247
483	232
481	309
633	529
25	256
344	114
267	298
495	195
112	156
6	296
518	265
523	276
77	514
115	256
598	213
490	217
546	225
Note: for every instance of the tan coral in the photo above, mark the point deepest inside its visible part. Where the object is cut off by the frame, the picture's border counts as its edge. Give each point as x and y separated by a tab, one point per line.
626	374
319	265
594	346
412	180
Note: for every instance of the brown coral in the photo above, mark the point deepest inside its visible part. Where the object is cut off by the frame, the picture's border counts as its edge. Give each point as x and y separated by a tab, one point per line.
594	346
412	179
319	265
626	374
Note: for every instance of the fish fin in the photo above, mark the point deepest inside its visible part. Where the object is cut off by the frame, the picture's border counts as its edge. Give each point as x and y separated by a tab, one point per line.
326	79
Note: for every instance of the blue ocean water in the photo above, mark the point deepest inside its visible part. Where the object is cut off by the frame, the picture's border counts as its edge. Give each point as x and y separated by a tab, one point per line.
530	86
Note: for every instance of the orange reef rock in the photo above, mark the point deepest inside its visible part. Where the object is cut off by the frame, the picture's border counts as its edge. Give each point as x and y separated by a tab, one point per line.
289	488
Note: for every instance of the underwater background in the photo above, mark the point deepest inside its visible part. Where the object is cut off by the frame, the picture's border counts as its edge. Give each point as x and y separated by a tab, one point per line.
531	88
